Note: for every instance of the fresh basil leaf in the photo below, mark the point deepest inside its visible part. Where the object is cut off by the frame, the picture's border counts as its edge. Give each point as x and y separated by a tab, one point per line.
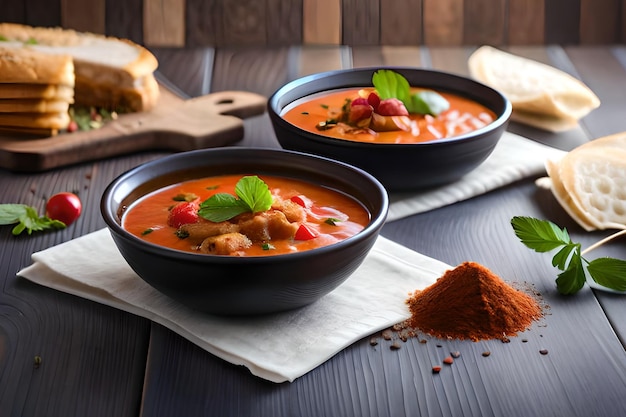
427	102
221	207
255	193
26	218
562	257
539	235
11	213
608	272
572	279
390	84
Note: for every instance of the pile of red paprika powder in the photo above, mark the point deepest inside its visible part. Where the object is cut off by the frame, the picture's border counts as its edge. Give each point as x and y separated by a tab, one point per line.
471	302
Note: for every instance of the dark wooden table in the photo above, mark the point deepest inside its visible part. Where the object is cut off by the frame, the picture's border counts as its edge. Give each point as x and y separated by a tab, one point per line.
98	361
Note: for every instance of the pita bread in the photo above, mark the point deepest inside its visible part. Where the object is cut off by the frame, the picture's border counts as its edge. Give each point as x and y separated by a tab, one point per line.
534	88
33	106
544	122
590	183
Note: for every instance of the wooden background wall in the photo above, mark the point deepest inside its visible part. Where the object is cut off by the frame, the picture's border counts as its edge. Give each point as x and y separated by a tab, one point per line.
197	23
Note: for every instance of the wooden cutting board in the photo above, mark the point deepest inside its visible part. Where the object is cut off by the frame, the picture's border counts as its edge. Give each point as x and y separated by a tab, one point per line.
174	124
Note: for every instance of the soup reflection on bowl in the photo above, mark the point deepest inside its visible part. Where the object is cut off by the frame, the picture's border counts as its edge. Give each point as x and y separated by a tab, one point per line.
243	230
443	126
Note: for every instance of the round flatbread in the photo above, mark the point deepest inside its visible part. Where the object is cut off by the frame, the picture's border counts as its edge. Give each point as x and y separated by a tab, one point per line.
590	183
531	86
594	175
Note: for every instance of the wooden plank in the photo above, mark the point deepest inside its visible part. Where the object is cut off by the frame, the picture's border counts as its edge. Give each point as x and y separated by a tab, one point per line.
193	78
443	22
361	22
622	38
401	22
284	22
164	22
124	19
599	21
10	12
201	23
321	22
241	22
377	56
451	59
313	59
562	21
39	12
261	71
526	20
483	22
83	16
605	80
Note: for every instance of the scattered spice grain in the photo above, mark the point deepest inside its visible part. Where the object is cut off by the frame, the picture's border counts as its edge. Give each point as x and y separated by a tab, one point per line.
471	302
448	360
436	369
544	351
486	353
455	354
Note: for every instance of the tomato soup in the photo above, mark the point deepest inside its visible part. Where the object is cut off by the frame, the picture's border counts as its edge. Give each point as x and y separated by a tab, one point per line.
463	115
325	215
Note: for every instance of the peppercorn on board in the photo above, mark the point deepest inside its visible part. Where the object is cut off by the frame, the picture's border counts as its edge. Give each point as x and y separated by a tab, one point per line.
175	124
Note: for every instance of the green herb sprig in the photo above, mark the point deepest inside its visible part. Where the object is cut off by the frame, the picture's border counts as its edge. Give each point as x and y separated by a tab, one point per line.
390	84
252	195
545	236
26	218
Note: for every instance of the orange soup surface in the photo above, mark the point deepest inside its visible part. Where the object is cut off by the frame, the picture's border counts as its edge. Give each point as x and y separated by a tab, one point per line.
463	115
328	215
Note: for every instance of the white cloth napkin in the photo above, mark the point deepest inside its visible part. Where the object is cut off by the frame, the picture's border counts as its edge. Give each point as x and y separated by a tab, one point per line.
513	159
279	347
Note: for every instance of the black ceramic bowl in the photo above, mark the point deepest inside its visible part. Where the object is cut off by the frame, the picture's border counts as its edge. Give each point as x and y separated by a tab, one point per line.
397	166
244	285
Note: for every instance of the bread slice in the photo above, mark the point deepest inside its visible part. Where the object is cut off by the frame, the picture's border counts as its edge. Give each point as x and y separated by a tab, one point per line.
17	105
37	91
26	66
534	87
104	66
56	121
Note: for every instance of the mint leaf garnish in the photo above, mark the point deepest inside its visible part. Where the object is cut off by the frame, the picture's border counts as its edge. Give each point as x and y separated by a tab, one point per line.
252	195
390	84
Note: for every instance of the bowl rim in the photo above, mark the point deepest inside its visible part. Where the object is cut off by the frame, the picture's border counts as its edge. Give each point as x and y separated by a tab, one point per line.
274	111
110	217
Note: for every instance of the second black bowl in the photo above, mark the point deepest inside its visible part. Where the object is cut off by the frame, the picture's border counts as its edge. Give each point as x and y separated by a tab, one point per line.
397	166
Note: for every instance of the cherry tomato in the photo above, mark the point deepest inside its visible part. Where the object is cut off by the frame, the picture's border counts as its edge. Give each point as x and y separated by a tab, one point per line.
305	233
302	200
183	213
65	207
